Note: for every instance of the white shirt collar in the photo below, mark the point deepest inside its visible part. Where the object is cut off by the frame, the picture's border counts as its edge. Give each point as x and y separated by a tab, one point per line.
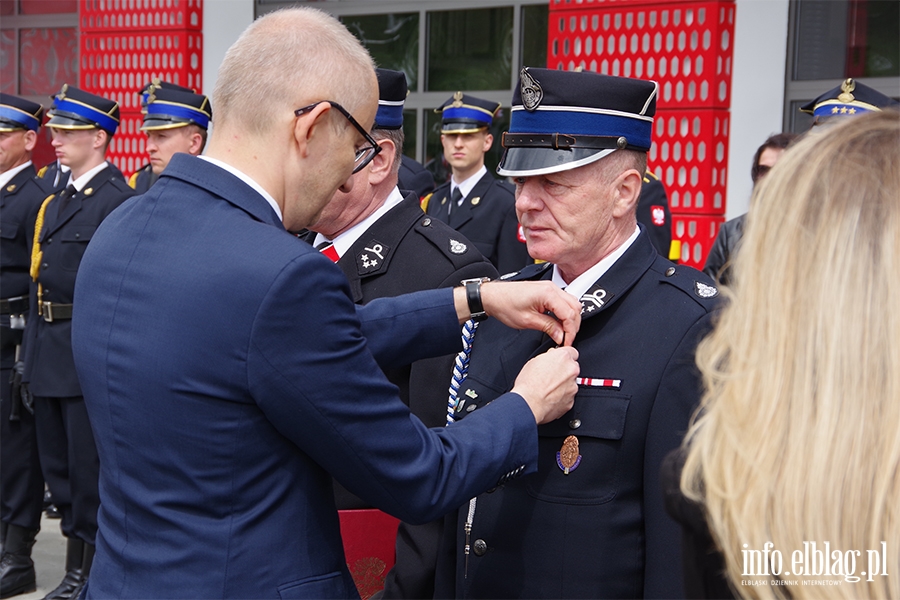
581	284
466	186
246	179
345	240
82	181
6	176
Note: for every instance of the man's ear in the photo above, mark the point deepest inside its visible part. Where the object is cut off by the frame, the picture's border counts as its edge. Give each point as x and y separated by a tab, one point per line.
627	192
196	143
488	141
30	140
101	139
381	166
312	128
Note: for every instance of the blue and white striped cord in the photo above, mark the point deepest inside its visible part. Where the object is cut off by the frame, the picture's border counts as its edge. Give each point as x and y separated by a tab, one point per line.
460	368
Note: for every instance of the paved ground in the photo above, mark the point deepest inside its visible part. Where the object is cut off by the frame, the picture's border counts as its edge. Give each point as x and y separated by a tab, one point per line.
49	556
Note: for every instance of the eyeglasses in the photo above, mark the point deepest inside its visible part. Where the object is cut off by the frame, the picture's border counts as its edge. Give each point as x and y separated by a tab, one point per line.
365	154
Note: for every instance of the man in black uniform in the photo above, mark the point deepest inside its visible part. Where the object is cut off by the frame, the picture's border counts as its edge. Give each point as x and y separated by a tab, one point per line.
21	482
83	125
590	523
473	202
386	246
175	120
654	214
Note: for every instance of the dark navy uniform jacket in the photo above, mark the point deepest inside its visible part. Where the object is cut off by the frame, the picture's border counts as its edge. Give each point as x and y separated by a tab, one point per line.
487	216
142	179
418	252
601	531
414	177
19	203
654	214
49	367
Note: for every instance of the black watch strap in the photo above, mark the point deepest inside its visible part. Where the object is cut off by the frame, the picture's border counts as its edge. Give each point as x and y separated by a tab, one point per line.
473	297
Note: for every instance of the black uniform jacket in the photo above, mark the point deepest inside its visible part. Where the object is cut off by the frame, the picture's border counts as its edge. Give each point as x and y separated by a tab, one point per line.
414	178
142	179
408	251
599	531
49	367
19	203
487	216
654	214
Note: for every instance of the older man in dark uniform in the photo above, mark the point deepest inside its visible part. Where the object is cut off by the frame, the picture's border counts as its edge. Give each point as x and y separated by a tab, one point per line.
21	482
176	119
83	125
386	246
590	523
474	202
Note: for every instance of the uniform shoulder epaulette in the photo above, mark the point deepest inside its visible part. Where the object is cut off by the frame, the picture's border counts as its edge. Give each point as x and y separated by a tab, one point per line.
527	273
120	184
696	284
507	187
456	248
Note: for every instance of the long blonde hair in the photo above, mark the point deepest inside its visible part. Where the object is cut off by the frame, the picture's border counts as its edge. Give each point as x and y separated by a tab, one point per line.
798	436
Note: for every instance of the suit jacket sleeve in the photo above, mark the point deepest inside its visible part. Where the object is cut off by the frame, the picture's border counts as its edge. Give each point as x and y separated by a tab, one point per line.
328	396
679	393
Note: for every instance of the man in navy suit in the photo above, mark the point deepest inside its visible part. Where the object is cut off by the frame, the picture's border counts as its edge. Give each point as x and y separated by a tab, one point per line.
590	522
227	371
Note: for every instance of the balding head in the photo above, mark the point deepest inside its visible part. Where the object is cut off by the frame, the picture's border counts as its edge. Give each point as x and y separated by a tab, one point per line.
288	59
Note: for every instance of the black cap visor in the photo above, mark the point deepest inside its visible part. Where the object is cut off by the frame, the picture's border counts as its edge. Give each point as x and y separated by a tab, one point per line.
525	162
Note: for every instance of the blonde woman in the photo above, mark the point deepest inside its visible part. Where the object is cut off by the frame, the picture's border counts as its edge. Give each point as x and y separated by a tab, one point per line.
796	450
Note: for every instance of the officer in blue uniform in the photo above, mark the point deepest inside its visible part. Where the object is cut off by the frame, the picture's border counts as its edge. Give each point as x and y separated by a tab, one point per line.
386	246
474	202
21	482
176	119
590	523
82	125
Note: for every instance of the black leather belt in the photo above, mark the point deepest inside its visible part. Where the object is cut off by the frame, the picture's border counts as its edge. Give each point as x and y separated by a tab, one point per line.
17	305
54	311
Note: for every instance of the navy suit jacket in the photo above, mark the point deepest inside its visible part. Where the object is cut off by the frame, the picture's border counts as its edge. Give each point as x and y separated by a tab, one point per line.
227	372
599	531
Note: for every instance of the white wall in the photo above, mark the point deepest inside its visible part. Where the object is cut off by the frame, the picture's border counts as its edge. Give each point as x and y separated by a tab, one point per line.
223	22
757	90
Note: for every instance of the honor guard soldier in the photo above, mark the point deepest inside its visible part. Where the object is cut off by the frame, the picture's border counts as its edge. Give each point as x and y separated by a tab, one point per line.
82	125
386	246
21	482
474	202
590	523
175	120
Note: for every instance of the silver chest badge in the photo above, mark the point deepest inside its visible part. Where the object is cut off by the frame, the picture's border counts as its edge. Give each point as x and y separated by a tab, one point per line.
457	247
531	90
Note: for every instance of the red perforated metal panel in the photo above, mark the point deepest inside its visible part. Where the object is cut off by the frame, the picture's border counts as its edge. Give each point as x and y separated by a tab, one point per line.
686	46
140	15
124	45
696	234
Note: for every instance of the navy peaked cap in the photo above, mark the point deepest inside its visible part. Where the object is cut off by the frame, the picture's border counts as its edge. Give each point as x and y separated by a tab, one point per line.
849	98
173	106
466	114
562	120
145	91
18	113
76	109
392	90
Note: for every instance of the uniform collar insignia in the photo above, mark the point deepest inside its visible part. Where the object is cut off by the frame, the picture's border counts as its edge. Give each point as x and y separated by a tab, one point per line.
530	90
372	257
594	300
705	291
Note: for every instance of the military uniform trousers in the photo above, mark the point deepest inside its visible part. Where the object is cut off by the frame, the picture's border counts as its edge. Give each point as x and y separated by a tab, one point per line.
65	440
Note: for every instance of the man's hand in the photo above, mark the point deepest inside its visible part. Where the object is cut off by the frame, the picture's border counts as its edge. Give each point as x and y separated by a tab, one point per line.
525	304
547	382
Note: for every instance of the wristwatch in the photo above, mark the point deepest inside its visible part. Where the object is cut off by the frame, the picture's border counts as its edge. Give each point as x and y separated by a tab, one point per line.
473	297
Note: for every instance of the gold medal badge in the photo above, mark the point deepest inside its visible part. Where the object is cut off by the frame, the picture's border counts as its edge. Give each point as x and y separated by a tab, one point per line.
568	457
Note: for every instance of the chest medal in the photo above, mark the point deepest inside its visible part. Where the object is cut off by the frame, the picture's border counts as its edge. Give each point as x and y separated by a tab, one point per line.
568	457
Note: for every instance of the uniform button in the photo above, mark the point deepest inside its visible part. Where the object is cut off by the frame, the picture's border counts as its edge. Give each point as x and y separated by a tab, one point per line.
479	547
49	240
45	266
575	423
426	222
77	235
670	271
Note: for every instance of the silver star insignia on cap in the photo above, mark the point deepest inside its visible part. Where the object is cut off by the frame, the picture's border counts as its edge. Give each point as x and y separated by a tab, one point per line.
705	291
457	247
